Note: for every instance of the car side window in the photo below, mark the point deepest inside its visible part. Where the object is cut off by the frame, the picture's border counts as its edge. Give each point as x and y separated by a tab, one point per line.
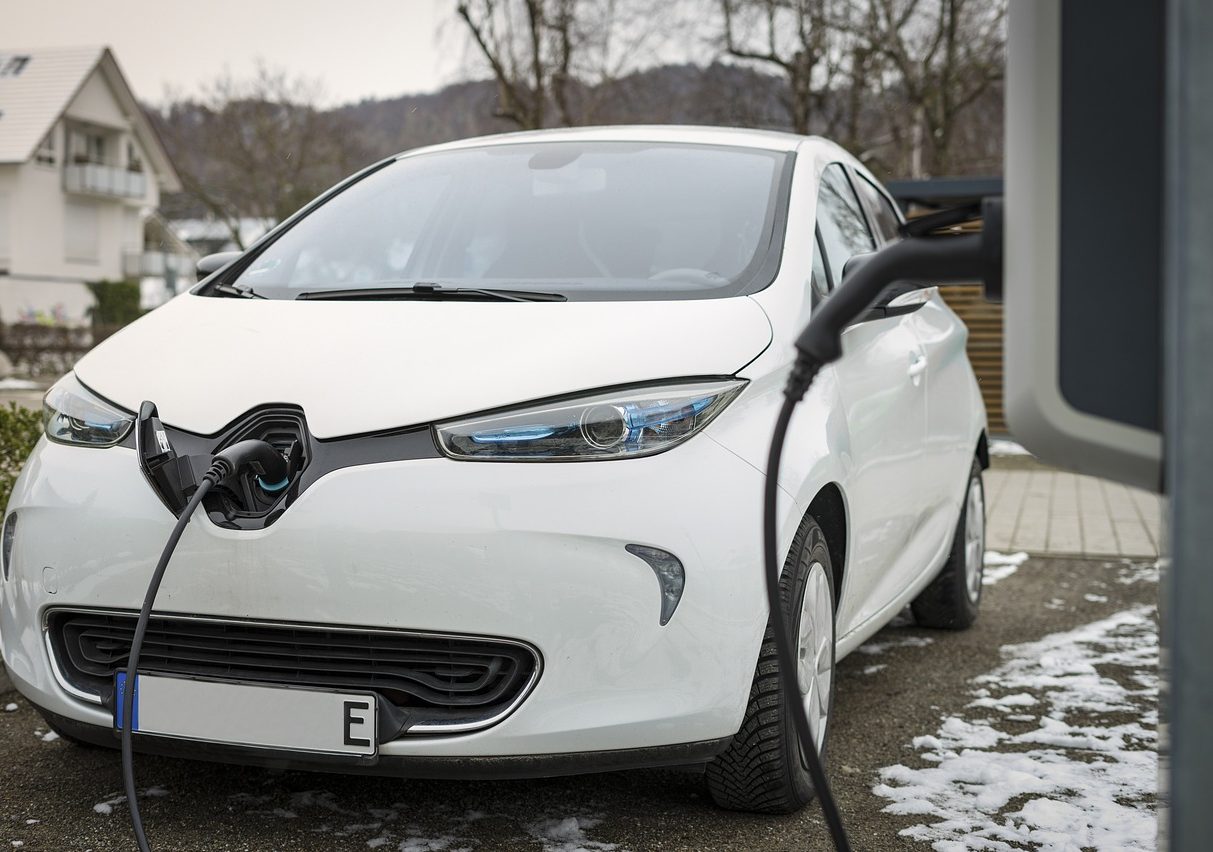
819	278
844	233
884	216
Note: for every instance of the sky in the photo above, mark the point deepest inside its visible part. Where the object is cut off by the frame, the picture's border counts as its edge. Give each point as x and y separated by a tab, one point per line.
355	48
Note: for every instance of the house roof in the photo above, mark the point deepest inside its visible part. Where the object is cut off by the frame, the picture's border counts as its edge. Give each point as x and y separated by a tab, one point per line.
36	86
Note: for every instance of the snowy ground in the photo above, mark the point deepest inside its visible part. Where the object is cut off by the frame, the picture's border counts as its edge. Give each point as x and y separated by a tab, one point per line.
1002	447
1055	752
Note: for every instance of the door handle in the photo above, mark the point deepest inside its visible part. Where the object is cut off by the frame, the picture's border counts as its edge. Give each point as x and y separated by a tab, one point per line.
918	365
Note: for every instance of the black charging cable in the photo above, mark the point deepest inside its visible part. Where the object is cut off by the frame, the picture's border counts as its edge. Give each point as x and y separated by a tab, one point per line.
269	466
803	375
924	255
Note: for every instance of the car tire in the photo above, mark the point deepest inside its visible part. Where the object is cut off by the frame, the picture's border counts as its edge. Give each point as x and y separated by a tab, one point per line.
763	769
953	598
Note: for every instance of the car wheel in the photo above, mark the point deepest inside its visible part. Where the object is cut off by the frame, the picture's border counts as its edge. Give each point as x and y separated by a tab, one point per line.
763	769
953	598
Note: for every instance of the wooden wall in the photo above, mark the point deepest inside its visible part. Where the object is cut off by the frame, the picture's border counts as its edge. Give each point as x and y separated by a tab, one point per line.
984	320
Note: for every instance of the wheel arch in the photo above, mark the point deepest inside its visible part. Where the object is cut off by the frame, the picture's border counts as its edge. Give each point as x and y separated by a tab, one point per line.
983	450
829	509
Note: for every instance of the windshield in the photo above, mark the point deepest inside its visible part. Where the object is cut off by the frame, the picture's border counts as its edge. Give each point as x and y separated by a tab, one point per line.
587	220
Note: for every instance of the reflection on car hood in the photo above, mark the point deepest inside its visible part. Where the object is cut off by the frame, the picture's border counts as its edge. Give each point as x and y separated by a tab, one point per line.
364	366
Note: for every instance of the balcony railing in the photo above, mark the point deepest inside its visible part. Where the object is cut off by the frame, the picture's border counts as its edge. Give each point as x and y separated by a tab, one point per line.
95	179
157	264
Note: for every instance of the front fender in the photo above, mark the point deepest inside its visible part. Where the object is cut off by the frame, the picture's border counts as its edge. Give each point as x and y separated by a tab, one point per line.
818	447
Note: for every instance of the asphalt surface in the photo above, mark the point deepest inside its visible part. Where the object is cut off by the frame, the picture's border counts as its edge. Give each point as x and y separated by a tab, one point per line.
53	795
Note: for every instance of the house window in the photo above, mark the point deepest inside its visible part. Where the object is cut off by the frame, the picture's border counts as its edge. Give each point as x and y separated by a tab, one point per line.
87	146
134	162
12	65
82	232
46	151
4	242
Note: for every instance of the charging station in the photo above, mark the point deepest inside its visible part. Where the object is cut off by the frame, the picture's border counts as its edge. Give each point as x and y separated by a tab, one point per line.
1083	306
1109	301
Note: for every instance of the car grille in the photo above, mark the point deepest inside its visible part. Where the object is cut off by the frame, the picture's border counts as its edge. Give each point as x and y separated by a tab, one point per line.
461	682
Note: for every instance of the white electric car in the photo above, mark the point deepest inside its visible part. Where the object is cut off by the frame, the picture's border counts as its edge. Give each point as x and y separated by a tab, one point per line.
527	385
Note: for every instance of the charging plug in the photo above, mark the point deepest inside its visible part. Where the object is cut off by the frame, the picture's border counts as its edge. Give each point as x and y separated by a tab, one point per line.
294	462
266	463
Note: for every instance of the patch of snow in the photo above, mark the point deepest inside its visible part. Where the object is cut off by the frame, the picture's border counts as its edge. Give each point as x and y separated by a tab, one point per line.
49	737
1139	572
900	642
107	807
10	708
1054	603
1093	598
1073	781
999	566
567	834
873	669
1005	702
17	844
1003	447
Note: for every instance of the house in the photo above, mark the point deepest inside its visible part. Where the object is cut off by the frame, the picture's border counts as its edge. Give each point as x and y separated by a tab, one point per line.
81	172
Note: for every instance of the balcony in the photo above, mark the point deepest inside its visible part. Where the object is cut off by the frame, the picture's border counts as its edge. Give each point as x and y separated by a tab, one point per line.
158	264
110	181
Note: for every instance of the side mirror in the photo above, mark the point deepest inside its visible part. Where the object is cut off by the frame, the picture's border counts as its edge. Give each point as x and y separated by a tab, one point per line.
214	262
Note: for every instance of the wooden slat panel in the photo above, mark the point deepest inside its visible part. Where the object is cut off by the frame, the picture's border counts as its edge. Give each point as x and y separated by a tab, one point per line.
984	320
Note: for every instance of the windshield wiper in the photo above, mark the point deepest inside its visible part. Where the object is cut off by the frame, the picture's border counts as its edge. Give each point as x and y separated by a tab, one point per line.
433	292
238	291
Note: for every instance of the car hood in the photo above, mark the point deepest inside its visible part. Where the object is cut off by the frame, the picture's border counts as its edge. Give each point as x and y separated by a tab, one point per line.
363	366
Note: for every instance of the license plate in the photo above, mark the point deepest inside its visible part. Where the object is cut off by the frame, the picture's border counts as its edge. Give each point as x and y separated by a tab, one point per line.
289	718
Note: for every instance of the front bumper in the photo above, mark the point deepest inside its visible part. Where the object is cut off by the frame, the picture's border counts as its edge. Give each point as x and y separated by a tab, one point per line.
479	767
533	552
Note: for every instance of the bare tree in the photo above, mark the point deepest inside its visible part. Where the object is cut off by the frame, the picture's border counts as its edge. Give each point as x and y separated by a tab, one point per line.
555	60
793	36
259	148
945	55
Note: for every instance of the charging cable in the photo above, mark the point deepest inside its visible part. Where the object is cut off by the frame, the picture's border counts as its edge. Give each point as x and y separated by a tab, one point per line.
923	254
784	650
270	467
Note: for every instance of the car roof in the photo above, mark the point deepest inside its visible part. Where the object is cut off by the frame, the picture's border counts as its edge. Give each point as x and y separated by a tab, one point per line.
771	140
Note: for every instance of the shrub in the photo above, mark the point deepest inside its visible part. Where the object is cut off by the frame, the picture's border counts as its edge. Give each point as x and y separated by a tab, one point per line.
117	302
20	429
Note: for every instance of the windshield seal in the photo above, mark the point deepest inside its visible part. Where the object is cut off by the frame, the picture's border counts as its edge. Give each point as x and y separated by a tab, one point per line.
760	272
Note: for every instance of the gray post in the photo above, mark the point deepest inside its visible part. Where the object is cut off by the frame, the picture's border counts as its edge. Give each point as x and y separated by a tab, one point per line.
1188	370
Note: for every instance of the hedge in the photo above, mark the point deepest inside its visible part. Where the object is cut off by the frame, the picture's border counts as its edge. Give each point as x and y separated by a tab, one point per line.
20	429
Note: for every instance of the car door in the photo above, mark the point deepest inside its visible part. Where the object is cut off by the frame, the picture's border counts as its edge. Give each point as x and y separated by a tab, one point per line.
881	386
942	336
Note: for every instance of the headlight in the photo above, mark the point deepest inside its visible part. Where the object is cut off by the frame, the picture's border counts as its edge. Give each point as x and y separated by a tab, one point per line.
72	414
619	424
